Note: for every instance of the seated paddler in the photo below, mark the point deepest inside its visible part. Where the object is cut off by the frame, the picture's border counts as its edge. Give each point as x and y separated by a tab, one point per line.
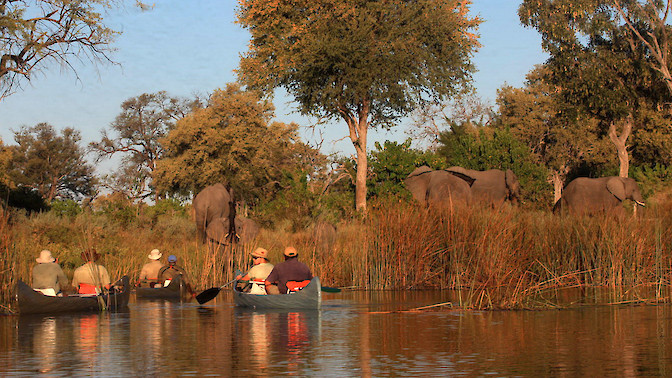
48	277
288	276
256	276
172	270
149	275
90	278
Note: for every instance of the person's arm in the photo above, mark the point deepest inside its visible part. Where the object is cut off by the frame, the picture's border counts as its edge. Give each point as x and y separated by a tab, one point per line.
62	279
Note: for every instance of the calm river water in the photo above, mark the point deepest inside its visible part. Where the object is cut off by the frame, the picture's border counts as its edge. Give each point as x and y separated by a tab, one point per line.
157	338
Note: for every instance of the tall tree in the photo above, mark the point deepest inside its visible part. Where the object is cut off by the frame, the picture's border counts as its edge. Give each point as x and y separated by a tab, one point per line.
560	137
366	62
36	33
143	121
232	140
51	164
608	55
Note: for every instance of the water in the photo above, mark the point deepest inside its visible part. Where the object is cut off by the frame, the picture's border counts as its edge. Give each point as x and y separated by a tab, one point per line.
157	338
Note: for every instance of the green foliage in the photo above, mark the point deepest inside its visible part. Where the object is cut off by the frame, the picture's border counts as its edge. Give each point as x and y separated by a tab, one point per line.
52	164
232	140
136	133
391	162
23	197
65	208
486	148
171	207
294	207
653	179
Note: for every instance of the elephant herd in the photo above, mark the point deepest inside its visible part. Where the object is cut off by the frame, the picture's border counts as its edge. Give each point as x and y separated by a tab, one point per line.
217	221
459	186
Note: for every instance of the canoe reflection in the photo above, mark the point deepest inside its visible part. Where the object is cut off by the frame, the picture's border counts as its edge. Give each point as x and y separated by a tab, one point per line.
270	336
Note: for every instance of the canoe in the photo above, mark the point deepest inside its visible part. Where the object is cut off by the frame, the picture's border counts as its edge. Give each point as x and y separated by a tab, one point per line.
33	302
309	298
175	290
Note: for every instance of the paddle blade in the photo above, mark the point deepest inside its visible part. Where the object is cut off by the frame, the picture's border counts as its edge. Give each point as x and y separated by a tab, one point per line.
328	289
207	295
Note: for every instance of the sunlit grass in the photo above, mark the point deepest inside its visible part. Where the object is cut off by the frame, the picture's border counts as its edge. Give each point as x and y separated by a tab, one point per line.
504	258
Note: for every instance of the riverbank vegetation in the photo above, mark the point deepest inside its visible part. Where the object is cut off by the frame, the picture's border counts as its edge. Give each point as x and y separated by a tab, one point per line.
498	259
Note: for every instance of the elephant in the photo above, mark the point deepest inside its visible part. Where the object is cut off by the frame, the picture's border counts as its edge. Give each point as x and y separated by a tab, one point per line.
493	186
438	187
215	201
246	230
591	196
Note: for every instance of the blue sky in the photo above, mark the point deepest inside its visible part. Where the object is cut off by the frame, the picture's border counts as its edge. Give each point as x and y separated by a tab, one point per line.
188	47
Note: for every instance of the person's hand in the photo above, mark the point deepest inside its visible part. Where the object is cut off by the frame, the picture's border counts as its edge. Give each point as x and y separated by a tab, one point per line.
238	277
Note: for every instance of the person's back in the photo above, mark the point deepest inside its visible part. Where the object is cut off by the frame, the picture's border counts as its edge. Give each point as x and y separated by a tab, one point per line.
48	277
150	271
173	270
90	274
290	270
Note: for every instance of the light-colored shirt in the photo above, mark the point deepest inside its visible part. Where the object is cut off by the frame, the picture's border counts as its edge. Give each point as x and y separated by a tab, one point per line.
92	274
150	271
49	275
260	271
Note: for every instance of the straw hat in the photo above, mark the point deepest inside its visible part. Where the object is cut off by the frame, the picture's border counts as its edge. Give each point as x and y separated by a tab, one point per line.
291	252
45	257
260	252
155	254
89	254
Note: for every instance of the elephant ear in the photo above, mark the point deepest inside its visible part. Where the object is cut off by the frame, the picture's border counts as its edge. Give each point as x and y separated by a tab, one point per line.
470	180
616	187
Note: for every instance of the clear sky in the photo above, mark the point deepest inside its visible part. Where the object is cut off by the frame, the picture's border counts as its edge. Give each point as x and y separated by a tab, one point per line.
188	47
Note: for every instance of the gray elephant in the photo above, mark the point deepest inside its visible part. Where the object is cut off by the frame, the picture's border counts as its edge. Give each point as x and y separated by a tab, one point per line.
246	230
492	186
598	195
438	187
213	202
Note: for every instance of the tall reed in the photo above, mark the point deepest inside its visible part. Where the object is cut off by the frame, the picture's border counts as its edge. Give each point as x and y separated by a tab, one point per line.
497	258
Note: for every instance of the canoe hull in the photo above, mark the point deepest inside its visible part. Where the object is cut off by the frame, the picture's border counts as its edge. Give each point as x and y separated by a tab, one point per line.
310	298
175	291
32	302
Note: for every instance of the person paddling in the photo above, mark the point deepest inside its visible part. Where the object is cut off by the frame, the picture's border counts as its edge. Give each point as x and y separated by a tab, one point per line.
258	273
90	277
290	270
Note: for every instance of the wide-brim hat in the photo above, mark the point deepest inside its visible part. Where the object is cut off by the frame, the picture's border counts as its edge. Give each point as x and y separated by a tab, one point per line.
260	252
45	257
155	254
291	252
89	254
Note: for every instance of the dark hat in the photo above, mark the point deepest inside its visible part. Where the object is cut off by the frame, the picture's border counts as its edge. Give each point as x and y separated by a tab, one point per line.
172	258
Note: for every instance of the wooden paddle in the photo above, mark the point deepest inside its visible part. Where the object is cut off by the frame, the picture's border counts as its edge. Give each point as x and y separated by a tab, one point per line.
328	289
209	294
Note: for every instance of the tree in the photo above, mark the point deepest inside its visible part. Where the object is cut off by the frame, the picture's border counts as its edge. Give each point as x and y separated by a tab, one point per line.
36	33
143	121
366	62
608	55
232	140
51	164
391	162
560	137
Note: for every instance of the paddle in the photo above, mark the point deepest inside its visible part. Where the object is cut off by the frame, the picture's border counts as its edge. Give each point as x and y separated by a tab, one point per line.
208	294
328	289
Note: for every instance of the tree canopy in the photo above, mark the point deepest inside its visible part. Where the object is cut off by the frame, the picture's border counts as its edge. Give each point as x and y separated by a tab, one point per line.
365	62
232	140
36	33
143	121
52	164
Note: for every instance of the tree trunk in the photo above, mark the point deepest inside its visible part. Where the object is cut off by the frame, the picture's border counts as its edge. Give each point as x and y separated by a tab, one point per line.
358	127
557	180
620	141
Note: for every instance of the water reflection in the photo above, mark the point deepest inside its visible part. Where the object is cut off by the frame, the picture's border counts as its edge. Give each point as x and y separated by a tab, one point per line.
348	337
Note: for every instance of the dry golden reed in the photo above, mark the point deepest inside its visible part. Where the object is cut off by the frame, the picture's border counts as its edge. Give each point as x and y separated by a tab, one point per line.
495	258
